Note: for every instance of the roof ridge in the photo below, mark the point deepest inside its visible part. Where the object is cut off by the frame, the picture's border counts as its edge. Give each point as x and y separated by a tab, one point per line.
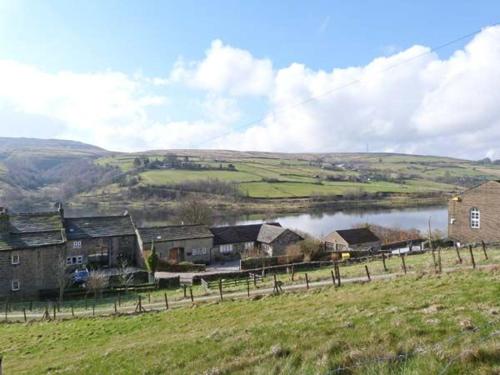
173	226
96	217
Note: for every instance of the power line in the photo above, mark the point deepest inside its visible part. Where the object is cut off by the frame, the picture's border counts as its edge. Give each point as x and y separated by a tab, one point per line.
341	87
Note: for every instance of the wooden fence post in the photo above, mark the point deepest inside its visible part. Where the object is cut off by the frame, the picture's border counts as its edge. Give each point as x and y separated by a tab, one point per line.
307	281
184	286
404	263
484	250
248	288
119	299
440	266
220	289
383	261
337	268
149	298
434	259
293	273
458	253
54	308
6	310
275	288
472	257
166	301
24	313
72	311
367	273
93	309
333	277
116	310
191	293
31	305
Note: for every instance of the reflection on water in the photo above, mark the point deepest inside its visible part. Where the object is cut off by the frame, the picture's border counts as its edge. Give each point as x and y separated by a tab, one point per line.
320	224
315	223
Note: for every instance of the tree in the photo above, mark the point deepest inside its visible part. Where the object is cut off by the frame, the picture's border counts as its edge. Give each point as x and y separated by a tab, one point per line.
153	259
62	275
96	282
137	162
195	211
125	274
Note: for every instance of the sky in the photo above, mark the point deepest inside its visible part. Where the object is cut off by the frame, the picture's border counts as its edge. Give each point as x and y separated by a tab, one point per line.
291	76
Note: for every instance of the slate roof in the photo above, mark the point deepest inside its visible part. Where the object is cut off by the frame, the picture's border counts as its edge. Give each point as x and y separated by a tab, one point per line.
35	222
14	241
98	226
174	232
28	230
237	233
268	233
357	235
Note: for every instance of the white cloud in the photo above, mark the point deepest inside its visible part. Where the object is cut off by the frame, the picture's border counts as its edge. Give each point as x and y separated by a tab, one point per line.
226	70
395	103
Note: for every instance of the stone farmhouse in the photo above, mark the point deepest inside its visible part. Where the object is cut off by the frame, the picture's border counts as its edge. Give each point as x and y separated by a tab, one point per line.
31	247
473	216
355	242
35	246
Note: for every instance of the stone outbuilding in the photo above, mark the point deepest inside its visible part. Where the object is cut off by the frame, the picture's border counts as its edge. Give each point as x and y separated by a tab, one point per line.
356	241
177	243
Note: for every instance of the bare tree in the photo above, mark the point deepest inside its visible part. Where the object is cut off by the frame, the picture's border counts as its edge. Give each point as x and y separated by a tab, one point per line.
63	277
96	282
195	211
125	275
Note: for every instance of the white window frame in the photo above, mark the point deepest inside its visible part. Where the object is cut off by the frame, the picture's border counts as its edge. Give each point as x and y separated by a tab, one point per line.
475	218
200	251
74	259
249	245
15	259
226	248
15	285
77	244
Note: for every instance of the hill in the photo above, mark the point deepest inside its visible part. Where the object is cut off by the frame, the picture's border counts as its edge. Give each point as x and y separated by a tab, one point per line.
433	324
33	172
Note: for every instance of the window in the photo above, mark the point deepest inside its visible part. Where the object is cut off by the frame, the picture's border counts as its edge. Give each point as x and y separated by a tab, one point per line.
78	259
267	248
15	285
201	251
77	244
475	218
249	245
14	259
226	249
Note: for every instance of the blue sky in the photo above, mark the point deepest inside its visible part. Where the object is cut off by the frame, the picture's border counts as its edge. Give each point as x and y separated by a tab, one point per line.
150	35
150	74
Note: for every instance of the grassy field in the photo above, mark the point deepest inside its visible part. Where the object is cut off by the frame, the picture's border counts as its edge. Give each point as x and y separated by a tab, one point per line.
268	175
410	325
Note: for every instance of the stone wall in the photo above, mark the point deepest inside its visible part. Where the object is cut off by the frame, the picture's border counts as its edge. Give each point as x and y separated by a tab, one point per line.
36	270
163	249
112	247
280	244
486	198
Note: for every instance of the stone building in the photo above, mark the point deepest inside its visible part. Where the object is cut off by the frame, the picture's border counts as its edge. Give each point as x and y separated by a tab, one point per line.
32	247
101	241
356	241
273	240
178	243
474	215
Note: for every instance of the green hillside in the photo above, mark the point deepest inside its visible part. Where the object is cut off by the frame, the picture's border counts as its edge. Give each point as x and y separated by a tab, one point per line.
424	324
38	172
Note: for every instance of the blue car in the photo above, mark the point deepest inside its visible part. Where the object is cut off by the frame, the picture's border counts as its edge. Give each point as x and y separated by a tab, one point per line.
80	276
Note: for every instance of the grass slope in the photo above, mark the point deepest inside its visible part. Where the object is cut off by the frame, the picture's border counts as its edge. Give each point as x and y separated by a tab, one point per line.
409	325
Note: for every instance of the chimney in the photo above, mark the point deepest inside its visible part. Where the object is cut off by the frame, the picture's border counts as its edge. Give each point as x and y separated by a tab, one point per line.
60	209
4	220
